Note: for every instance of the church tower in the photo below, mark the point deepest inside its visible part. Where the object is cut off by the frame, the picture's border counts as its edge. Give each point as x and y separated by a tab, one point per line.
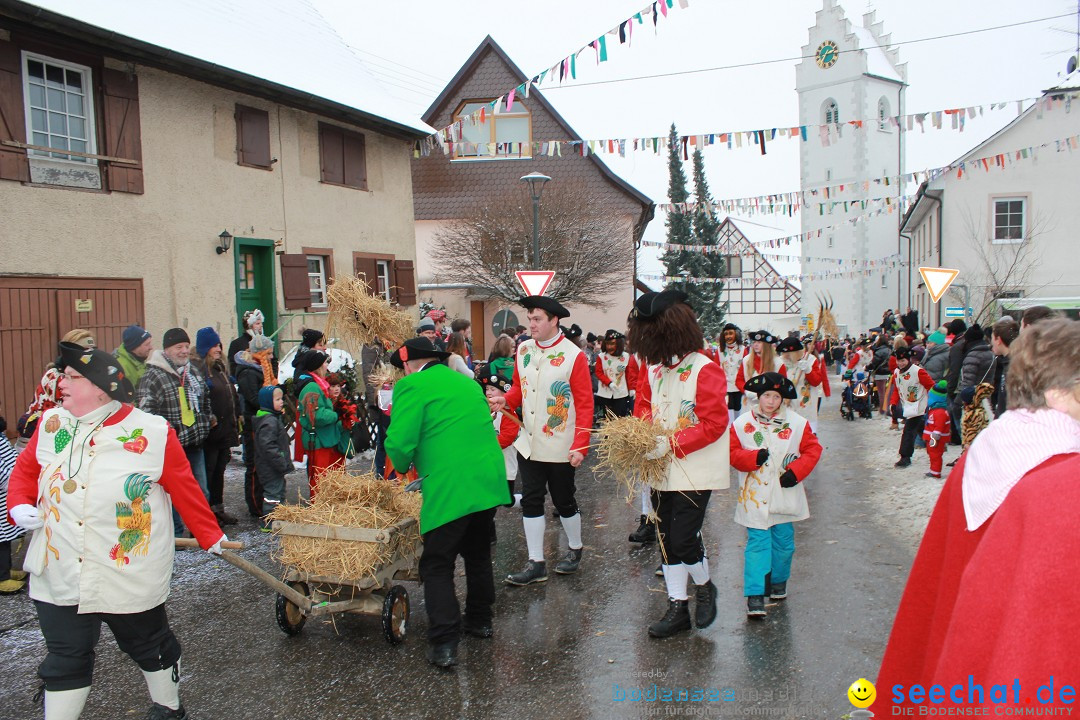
849	74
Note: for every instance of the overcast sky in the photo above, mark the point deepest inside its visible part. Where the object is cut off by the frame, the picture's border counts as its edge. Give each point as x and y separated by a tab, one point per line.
416	46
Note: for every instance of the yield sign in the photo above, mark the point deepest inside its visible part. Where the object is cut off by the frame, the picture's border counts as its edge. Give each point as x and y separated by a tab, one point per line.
535	282
937	280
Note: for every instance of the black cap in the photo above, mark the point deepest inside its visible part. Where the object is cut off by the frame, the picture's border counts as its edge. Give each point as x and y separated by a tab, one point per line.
417	348
311	360
731	326
573	333
543	302
651	304
902	353
613	335
591	337
487	375
309	337
788	345
761	384
763	336
100	368
175	336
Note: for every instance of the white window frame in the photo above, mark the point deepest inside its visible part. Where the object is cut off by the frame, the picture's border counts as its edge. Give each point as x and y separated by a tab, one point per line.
321	276
382	272
830	104
88	108
1024	210
491	121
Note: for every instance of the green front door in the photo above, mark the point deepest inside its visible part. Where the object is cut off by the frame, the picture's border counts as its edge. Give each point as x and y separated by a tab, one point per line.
255	281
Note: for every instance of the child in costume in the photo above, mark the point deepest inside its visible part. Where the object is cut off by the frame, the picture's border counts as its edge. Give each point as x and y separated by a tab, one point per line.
271	450
612	369
909	385
761	358
802	369
774	449
937	426
730	356
497	381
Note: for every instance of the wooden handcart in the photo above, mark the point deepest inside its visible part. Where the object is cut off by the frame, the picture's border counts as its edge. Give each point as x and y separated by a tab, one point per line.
302	595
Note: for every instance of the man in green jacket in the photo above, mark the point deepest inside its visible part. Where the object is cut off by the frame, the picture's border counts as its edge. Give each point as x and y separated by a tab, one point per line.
437	412
136	346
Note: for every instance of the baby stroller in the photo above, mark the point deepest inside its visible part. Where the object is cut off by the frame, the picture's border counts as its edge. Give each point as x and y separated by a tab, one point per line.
857	396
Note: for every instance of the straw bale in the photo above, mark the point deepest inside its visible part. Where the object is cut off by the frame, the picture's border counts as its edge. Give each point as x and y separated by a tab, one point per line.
624	442
359	318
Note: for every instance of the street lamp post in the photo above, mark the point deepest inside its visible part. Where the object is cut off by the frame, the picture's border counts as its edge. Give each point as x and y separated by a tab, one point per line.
536	185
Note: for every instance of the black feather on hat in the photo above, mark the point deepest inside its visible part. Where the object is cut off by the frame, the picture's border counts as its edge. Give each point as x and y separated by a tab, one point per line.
763	336
651	304
543	302
789	344
763	383
417	348
100	368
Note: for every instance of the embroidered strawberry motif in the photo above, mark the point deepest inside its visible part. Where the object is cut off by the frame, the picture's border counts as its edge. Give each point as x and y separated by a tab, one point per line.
52	424
136	442
783	433
684	373
748	428
557	359
61	440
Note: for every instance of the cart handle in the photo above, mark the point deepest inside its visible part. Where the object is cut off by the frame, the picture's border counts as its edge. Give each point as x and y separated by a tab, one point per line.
193	543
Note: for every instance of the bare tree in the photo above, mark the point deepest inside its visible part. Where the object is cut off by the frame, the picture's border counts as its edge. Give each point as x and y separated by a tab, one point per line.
588	246
1002	267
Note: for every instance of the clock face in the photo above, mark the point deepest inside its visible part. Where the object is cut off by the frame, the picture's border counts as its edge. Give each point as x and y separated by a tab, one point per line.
827	54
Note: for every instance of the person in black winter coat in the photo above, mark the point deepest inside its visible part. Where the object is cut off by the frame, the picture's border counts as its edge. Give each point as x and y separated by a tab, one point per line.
272	460
1005	331
952	376
977	360
223	430
249	380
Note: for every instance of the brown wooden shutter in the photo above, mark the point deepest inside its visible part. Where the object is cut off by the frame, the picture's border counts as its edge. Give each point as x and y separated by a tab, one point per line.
404	282
355	165
252	137
294	281
14	165
367	270
123	134
331	154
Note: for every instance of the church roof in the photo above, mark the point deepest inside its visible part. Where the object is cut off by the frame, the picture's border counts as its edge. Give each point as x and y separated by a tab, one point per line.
877	62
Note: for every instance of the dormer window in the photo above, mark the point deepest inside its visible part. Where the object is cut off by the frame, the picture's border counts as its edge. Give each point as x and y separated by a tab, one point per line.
506	134
830	112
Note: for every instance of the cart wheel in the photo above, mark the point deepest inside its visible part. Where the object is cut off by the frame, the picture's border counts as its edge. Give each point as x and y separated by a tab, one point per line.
289	617
395	614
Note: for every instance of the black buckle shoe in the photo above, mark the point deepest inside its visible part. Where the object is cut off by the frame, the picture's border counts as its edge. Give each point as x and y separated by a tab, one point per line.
778	591
569	564
444	655
160	712
705	605
675	620
903	463
645	533
755	606
534	572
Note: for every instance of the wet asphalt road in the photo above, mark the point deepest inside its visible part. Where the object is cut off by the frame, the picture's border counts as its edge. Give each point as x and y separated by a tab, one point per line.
565	649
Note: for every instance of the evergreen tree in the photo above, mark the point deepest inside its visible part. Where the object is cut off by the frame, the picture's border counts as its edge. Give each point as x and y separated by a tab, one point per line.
698	227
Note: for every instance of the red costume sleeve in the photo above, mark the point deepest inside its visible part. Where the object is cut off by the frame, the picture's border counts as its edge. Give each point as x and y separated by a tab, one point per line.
925	380
892	363
816	374
187	496
632	373
740	378
742	459
643	401
508	431
809	454
894	393
581	389
825	386
600	374
513	398
23	483
853	363
710	406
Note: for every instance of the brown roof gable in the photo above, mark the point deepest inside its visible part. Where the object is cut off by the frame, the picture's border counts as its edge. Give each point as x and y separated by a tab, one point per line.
443	190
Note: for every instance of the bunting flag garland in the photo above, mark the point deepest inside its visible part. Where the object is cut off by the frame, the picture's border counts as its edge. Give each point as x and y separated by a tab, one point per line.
827	134
849	269
564	69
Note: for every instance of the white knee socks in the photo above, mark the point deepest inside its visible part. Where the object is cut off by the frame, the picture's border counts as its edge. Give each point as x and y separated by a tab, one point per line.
646	503
699	571
675	577
534	537
65	704
572	526
164	687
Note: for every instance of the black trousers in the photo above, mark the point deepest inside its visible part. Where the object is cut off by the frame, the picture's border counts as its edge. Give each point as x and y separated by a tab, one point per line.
541	478
217	459
70	639
469	537
620	407
734	401
253	489
5	560
681	515
913	428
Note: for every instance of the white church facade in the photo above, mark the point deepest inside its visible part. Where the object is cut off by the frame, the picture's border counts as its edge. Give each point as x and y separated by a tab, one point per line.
851	86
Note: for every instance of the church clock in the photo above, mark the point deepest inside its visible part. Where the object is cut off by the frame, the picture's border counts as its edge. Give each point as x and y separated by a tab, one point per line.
827	54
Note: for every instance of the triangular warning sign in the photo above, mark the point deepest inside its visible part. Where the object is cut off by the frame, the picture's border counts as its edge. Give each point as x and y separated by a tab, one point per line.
937	280
534	282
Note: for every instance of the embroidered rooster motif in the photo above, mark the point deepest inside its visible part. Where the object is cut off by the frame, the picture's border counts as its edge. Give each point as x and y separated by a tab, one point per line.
558	407
133	519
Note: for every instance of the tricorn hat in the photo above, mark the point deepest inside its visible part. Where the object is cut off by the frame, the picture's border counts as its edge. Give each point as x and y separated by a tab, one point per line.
543	302
417	348
497	377
763	336
761	384
651	304
613	335
789	344
573	332
100	368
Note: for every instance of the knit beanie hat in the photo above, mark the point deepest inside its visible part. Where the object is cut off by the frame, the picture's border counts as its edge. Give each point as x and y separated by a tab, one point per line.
973	334
939	394
134	336
260	343
266	397
426	323
309	337
174	336
938	338
206	339
312	360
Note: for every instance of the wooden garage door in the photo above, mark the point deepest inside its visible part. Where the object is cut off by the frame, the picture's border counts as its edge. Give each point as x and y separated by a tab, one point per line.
35	312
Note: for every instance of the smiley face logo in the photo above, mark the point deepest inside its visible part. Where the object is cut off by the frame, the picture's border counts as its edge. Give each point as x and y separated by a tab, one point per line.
862	693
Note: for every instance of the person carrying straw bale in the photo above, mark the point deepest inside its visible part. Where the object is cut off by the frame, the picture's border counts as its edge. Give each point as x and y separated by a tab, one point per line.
437	412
